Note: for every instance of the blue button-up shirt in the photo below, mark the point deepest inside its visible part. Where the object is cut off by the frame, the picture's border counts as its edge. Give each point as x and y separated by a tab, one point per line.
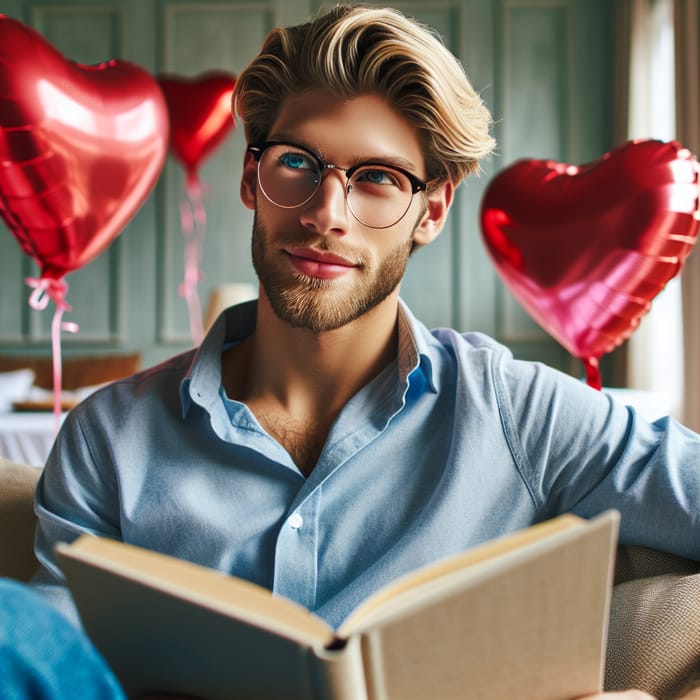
452	444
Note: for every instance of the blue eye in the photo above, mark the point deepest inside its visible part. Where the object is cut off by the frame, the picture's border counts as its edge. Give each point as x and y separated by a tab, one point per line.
296	161
378	176
375	176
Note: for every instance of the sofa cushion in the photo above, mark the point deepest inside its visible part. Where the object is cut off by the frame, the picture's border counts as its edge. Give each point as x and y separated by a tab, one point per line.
654	635
17	520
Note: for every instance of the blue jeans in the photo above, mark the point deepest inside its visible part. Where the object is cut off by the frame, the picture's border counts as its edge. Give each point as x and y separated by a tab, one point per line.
43	657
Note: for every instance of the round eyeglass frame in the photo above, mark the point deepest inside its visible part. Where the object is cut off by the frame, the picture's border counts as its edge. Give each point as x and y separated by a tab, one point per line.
258	149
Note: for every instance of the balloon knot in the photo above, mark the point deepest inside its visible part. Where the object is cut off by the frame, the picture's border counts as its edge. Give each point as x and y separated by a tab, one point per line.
45	289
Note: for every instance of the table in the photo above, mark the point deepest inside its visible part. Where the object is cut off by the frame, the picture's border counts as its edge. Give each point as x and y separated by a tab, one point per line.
649	404
27	437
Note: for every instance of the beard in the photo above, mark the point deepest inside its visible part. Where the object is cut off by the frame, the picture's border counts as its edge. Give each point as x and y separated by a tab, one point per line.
325	304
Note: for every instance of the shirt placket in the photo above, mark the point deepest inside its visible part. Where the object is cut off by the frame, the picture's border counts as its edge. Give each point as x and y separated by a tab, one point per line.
296	553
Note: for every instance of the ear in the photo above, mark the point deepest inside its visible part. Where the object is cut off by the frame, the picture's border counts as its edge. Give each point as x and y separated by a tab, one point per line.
439	200
249	181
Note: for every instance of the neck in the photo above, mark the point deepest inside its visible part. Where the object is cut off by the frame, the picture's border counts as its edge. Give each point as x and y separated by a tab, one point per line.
309	373
296	381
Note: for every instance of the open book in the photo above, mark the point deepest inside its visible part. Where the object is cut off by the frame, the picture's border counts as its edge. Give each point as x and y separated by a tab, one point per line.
524	616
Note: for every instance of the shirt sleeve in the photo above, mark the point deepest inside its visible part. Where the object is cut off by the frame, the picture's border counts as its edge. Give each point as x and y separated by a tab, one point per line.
582	451
76	494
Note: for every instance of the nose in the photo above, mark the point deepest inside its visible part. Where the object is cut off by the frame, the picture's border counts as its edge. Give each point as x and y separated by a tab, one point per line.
327	212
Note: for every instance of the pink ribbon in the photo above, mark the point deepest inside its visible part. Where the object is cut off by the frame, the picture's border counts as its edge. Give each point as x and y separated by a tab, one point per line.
593	375
193	219
45	290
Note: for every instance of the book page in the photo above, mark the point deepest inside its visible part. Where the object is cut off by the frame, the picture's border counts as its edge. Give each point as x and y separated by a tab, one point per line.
207	587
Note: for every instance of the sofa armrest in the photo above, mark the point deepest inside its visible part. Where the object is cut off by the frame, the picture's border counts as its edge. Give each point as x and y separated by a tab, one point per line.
17	519
654	635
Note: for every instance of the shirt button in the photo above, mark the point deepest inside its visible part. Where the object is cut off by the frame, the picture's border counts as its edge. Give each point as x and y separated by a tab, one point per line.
295	521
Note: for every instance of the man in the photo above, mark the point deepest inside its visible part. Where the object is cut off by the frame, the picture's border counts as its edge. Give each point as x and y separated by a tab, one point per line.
322	441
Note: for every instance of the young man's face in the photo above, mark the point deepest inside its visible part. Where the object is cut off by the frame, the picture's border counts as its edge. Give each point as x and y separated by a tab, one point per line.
319	266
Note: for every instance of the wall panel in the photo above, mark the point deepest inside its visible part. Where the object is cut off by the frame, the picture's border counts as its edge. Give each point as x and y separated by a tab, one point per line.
535	92
199	37
430	286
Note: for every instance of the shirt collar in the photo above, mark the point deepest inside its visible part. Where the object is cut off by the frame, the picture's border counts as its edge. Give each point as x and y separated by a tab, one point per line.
203	379
416	353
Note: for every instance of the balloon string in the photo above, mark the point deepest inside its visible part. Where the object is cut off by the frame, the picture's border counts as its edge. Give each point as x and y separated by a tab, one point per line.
193	220
45	290
593	377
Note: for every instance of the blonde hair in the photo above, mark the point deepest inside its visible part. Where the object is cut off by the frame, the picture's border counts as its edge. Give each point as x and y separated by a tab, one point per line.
354	50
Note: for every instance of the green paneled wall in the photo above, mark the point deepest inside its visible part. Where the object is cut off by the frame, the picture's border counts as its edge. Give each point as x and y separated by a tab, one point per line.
543	66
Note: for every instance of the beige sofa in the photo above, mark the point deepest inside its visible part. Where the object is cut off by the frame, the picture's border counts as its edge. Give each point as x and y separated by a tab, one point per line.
654	639
17	483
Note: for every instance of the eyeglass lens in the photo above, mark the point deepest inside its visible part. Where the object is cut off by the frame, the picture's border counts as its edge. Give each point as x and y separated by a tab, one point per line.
377	195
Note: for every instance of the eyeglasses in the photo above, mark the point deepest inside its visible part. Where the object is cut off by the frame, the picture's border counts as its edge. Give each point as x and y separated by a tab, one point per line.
378	195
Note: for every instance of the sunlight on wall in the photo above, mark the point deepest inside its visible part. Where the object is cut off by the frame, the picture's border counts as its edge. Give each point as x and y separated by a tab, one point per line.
656	348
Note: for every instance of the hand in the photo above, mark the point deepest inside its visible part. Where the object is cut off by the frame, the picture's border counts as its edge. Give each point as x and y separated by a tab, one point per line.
692	693
621	695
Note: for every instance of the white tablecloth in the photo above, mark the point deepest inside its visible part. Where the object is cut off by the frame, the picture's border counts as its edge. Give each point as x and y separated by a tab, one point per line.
649	404
27	437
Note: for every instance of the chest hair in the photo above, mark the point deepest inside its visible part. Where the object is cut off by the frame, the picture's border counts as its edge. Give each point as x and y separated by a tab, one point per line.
303	439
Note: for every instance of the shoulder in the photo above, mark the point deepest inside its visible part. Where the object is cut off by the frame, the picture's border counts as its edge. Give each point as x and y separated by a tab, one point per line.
472	342
479	348
157	385
447	341
467	352
486	365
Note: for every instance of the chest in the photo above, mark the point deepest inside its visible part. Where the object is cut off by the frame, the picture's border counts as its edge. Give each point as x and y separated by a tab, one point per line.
303	439
329	541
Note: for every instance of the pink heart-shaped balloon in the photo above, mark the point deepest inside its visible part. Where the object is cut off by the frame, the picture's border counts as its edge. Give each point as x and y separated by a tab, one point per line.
80	148
200	114
586	248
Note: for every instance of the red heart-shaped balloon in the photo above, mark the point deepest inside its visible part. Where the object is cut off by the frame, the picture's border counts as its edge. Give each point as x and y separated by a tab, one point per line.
200	114
80	148
586	248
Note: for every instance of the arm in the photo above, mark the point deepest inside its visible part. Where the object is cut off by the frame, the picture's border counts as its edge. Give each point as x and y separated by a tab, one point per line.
583	452
77	494
621	695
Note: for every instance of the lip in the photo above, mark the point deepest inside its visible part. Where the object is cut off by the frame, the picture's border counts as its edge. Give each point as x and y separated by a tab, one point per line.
318	263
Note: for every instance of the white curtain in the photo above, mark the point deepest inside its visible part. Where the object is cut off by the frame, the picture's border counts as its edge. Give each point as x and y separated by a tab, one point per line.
687	56
655	351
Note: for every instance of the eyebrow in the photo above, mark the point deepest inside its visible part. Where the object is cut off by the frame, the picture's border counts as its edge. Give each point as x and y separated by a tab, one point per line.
386	159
